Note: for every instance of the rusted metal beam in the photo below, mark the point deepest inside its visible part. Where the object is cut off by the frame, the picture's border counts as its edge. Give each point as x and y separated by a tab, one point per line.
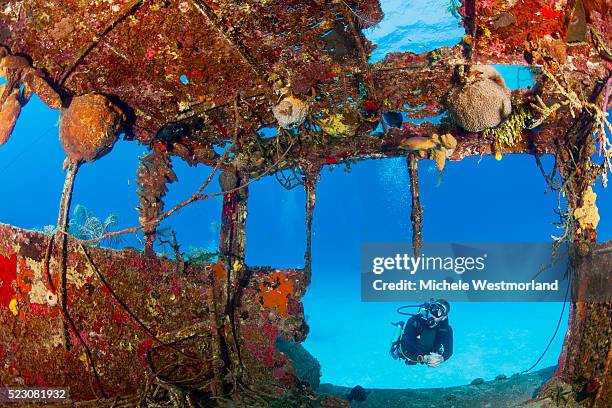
416	215
215	21
310	186
131	8
233	218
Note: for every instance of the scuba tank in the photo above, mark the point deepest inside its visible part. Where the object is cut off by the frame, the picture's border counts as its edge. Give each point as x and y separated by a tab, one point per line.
395	349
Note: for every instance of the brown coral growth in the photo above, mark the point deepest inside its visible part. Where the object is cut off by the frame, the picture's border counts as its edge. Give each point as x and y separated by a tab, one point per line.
11	108
89	127
481	103
154	173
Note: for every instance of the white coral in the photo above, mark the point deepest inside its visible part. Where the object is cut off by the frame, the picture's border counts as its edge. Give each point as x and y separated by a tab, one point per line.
290	112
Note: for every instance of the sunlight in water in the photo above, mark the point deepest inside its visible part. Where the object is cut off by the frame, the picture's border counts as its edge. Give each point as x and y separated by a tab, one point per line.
351	338
416	26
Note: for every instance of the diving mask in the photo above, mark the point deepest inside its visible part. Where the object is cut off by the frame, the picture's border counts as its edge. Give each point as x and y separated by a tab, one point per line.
437	310
435	313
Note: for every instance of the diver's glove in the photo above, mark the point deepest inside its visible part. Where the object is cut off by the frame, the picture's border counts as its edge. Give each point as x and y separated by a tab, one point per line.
433	359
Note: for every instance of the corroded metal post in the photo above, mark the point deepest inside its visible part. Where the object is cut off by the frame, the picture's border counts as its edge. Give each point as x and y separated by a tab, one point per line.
416	215
62	226
586	360
218	365
154	174
224	298
310	186
584	373
233	218
64	209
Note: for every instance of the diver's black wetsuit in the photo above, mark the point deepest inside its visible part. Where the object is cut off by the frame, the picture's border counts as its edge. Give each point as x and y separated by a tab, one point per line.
430	340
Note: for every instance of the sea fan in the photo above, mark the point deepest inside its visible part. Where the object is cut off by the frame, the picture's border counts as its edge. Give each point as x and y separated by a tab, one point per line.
199	256
85	225
48	229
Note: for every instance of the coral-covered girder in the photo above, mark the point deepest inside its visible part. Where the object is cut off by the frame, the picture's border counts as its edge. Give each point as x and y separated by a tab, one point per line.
153	176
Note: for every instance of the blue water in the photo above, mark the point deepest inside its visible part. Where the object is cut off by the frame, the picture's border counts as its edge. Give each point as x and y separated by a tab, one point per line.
478	199
32	179
473	200
415	26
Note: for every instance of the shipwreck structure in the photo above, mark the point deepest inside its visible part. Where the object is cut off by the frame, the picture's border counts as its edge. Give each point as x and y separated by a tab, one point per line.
197	79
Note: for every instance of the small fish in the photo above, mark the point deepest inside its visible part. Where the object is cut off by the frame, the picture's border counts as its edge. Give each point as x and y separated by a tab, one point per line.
358	393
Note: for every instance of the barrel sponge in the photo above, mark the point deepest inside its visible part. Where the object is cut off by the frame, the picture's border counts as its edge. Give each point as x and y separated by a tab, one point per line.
482	102
89	127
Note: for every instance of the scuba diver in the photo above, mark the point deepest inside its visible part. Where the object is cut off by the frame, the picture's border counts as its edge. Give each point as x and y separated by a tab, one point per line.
427	337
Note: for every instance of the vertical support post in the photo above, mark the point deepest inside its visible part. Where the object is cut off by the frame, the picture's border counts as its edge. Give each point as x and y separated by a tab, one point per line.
310	186
577	182
64	210
153	176
62	225
470	28
218	365
233	222
232	253
416	215
586	359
